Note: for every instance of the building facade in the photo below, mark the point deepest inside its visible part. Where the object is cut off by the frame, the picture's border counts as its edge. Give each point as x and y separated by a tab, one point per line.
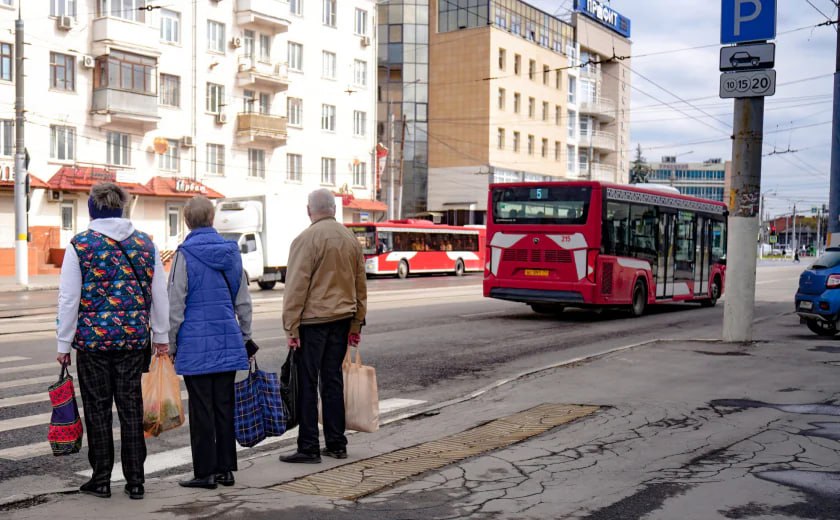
706	180
223	98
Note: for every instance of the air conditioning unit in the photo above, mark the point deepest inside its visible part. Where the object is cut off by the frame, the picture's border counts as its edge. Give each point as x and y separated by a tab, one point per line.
236	42
187	141
221	118
365	41
55	196
88	62
65	23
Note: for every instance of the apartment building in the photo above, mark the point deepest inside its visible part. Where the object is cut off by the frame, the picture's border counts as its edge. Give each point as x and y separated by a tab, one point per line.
226	98
706	180
516	94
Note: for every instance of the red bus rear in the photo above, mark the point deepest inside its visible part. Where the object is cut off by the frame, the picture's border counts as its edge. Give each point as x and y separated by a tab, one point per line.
592	244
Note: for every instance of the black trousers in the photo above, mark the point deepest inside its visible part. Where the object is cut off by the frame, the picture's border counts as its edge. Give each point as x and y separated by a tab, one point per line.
105	378
322	349
212	436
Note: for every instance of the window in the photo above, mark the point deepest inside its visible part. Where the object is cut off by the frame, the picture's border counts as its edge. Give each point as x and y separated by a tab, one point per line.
359	123
545	111
501	17
501	139
616	229
517	101
360	174
62	71
584	127
249	44
256	163
530	145
361	22
516	142
170	160
170	90
328	171
6	61
541	205
328	15
215	159
296	7
7	127
67	217
557	151
360	73
546	73
572	124
572	88
133	10
125	71
215	36
544	148
57	7
558	79
62	143
517	64
119	149
327	65
294	167
532	69
558	114
170	26
265	48
501	99
516	24
215	97
532	107
502	58
328	117
294	111
256	102
295	56
570	158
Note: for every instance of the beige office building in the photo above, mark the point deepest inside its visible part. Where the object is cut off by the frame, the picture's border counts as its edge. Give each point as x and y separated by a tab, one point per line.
516	94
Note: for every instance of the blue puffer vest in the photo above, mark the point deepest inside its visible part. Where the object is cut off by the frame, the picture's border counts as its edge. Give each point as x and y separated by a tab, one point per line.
112	310
210	339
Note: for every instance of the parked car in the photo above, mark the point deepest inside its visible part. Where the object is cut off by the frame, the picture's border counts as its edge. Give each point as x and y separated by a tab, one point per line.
818	297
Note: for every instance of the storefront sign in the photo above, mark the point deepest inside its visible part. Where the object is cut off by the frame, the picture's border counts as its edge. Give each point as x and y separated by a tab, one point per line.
605	15
189	186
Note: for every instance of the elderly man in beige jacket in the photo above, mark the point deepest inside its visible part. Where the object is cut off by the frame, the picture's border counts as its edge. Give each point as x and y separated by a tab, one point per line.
324	305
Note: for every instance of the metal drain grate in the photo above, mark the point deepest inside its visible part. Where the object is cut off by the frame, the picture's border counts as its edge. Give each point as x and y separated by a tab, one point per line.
359	479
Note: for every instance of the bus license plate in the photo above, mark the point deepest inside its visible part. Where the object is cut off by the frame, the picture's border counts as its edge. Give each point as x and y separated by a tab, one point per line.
807	306
536	272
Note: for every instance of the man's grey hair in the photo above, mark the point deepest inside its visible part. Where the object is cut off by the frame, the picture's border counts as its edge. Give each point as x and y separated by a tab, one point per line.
199	212
107	195
322	202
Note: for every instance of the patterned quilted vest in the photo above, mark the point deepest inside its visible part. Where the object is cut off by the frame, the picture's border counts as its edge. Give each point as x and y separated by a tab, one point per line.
113	314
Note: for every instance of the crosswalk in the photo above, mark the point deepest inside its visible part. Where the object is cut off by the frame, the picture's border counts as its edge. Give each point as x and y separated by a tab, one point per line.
171	450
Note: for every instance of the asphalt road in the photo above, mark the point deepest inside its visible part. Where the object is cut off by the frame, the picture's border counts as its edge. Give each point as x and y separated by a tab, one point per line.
430	339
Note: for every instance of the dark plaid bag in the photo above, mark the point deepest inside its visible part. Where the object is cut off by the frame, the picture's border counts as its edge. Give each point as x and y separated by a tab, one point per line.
258	409
289	389
65	434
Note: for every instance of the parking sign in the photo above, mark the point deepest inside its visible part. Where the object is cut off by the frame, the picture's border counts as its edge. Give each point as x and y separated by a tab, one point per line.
747	21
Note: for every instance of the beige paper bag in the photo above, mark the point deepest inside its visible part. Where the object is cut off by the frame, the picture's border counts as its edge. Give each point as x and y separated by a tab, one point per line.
361	396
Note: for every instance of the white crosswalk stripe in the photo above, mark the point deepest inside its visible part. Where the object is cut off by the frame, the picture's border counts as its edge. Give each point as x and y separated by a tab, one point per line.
30	381
10	359
29	368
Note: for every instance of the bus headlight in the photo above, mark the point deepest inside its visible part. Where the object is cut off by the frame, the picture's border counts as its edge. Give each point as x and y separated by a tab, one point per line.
372	265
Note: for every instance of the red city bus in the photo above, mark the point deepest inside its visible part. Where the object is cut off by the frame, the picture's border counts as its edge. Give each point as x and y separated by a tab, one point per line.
593	244
418	246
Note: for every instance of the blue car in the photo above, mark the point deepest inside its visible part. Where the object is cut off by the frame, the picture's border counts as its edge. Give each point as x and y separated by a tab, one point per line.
818	297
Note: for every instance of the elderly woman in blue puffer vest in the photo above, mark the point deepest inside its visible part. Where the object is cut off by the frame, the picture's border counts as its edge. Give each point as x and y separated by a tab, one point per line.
210	322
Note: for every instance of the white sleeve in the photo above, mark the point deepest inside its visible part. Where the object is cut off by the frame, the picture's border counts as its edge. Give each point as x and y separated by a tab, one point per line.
69	296
160	304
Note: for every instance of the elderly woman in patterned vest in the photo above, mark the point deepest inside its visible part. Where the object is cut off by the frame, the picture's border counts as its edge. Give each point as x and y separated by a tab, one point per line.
112	291
209	324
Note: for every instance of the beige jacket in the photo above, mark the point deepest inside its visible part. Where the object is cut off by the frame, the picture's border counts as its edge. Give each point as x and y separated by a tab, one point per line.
325	278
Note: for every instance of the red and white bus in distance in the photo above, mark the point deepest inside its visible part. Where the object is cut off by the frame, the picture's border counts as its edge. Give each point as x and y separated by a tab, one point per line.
592	244
404	247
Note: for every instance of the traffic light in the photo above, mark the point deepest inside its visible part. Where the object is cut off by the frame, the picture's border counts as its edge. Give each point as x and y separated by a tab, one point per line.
772	229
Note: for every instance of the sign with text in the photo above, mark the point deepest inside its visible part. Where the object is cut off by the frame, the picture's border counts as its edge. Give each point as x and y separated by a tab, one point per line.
744	21
742	57
601	12
746	84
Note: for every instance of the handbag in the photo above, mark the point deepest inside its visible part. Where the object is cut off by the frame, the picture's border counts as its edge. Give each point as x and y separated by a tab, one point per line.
289	390
258	407
361	395
147	295
65	434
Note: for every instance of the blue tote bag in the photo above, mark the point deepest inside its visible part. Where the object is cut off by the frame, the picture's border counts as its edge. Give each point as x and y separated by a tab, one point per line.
258	409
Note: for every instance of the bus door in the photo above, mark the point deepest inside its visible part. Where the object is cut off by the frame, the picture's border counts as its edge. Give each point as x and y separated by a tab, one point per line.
702	259
665	256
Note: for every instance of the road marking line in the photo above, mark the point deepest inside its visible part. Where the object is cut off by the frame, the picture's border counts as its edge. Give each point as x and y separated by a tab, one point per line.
30	381
183	456
488	313
27	368
9	359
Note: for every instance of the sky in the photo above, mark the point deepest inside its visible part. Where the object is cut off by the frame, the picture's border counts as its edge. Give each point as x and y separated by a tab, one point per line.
675	108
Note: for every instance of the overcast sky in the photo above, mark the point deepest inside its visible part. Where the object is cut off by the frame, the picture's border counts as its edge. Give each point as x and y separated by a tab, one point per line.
665	125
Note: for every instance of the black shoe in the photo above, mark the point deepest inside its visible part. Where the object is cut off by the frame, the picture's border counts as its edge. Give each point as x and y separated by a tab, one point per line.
225	479
336	454
135	491
206	483
302	458
96	490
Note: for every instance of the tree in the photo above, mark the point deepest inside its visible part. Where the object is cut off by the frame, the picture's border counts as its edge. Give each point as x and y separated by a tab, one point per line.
639	168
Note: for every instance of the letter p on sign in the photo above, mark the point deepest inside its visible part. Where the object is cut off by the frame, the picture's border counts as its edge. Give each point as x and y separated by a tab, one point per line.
747	21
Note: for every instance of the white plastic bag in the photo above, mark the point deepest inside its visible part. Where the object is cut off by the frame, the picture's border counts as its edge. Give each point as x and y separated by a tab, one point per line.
361	396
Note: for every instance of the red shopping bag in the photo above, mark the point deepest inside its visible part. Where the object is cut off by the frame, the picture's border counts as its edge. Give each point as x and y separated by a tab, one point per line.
65	435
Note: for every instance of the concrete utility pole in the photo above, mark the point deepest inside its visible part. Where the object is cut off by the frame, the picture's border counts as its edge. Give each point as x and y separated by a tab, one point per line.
391	168
402	168
743	219
834	193
21	224
795	238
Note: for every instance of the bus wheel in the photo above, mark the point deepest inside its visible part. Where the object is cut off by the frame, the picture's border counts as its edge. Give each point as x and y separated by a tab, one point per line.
714	296
639	299
402	270
459	268
545	308
267	286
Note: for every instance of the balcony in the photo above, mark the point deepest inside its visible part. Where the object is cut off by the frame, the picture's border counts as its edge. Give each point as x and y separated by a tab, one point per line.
264	14
262	76
599	140
112	106
262	129
125	34
602	108
598	172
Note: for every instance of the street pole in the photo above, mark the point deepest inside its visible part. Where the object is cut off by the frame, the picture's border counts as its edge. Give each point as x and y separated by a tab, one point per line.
795	239
402	166
761	228
391	166
743	219
21	225
834	191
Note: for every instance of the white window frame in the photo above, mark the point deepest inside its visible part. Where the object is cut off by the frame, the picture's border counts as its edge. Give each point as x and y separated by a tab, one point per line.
328	14
215	98
360	22
328	117
57	7
296	7
359	174
328	171
7	137
170	26
170	86
501	98
118	147
256	163
134	12
66	135
170	160
215	159
294	111
359	123
215	36
265	48
500	139
294	56
360	73
294	167
328	64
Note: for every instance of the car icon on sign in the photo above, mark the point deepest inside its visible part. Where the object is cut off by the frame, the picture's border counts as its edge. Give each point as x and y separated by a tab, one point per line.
744	59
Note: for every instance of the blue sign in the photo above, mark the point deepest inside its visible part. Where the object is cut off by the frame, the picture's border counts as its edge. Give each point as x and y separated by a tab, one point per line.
747	21
602	13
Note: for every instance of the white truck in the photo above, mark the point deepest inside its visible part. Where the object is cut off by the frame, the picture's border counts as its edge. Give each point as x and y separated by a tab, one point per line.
264	227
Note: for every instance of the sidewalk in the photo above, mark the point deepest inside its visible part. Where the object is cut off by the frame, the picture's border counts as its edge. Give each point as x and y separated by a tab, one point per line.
45	282
690	429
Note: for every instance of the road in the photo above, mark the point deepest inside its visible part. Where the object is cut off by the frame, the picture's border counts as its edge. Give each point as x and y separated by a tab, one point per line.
430	339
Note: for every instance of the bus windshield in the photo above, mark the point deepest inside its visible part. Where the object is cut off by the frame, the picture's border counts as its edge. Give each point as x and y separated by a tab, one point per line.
366	237
541	205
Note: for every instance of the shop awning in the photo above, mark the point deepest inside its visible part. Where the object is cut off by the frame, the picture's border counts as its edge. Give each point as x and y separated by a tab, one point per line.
365	205
34	183
82	178
180	187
